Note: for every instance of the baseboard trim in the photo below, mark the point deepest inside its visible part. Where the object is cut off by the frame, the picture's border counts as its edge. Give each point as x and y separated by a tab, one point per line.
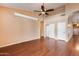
15	43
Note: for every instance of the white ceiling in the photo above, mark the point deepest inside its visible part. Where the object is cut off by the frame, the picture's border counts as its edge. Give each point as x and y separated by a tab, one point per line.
31	6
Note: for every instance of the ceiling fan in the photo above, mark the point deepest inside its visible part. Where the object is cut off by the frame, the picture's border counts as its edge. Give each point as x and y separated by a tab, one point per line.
44	11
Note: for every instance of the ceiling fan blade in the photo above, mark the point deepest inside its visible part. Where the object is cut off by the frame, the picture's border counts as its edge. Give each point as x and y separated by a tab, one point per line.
46	13
42	7
49	10
36	11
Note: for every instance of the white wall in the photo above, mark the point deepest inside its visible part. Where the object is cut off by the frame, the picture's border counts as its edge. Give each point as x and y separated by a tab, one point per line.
15	29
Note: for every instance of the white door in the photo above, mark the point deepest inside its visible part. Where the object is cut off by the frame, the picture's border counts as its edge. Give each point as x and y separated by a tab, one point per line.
61	30
50	30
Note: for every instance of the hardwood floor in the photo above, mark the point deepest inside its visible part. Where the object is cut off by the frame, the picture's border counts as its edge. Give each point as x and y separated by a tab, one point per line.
46	47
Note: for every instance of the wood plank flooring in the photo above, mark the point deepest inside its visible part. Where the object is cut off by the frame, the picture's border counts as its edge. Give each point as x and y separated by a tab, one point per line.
43	47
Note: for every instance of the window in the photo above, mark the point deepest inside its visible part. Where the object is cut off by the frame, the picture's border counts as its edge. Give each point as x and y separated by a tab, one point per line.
50	30
61	30
57	30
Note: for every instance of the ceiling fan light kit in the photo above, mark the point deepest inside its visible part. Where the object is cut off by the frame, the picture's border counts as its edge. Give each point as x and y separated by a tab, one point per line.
43	10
